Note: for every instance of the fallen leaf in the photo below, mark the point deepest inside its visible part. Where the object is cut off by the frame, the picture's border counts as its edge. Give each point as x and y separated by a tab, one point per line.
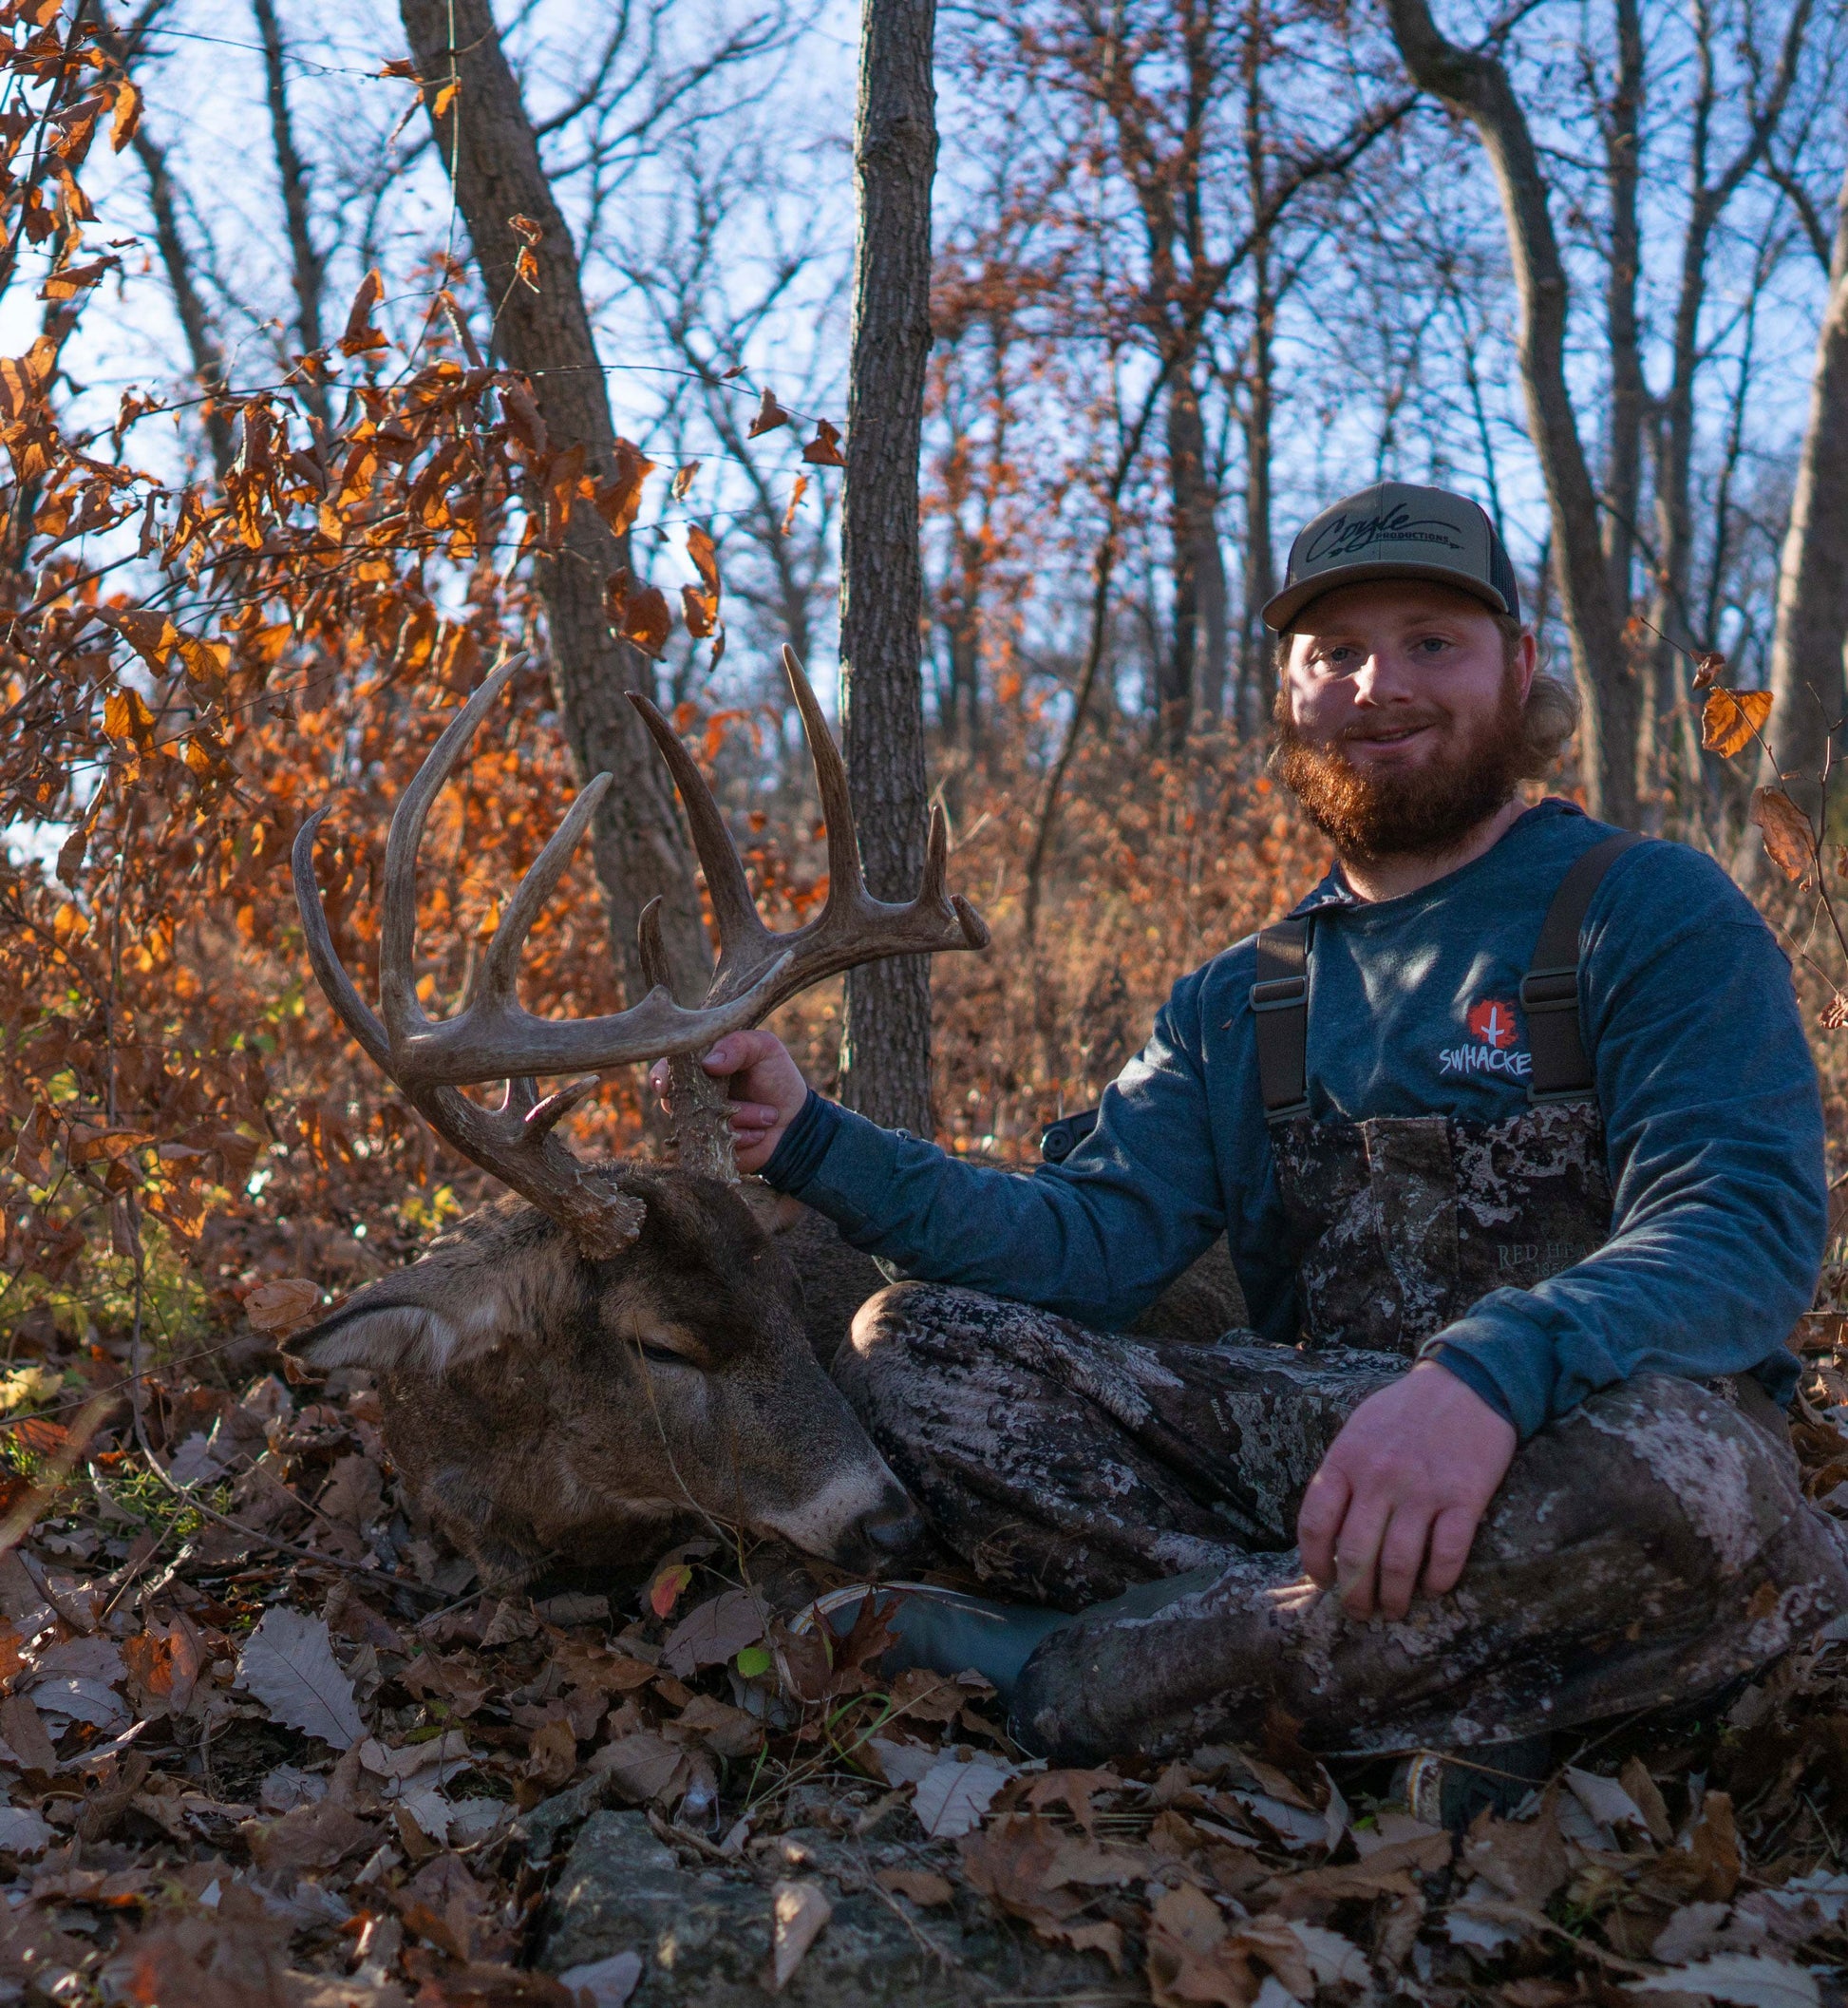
604	1983
924	1886
725	1731
22	1832
712	1633
951	1797
798	1912
643	1766
287	1664
1744	1978
1730	720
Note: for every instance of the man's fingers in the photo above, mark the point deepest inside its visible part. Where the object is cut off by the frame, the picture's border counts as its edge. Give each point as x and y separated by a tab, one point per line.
1402	1555
1452	1535
1318	1521
738	1051
1357	1554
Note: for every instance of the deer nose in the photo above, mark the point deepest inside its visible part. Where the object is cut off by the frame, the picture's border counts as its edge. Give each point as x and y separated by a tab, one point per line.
895	1528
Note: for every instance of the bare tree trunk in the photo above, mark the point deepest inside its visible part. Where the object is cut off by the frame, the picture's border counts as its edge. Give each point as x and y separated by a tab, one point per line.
309	269
886	1033
1630	395
1806	653
195	322
1476	86
1193	671
486	141
1675	456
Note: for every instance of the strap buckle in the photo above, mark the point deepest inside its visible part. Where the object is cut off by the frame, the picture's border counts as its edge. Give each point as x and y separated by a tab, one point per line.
1550	988
1279	994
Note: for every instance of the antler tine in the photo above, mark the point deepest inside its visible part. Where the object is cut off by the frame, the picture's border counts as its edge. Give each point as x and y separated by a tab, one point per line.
354	1013
398	1005
845	877
499	968
743	939
513	1141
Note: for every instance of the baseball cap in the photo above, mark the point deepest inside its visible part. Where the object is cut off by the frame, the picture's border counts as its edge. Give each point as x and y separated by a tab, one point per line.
1394	530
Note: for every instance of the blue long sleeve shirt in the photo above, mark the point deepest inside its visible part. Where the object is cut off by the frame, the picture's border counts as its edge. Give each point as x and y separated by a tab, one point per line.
1713	1127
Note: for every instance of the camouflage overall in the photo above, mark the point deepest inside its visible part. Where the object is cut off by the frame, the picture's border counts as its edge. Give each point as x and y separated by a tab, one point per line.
1643	1549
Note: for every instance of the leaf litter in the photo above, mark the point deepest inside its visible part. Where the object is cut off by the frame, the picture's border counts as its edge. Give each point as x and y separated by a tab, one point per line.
292	1753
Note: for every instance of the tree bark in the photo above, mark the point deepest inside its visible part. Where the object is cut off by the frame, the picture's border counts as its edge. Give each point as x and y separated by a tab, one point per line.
886	1033
1806	653
195	322
1476	86
1193	692
1630	395
1669	615
309	269
486	143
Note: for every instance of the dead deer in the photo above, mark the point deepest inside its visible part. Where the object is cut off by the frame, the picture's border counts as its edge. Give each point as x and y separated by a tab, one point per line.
613	1347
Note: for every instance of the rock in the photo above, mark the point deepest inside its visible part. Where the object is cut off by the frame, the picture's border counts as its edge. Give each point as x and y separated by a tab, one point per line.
704	1933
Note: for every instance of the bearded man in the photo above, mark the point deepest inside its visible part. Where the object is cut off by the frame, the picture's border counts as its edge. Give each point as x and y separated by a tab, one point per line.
1514	1130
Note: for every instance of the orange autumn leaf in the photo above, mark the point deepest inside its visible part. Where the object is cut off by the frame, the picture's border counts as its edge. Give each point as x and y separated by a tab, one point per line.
1789	841
1731	719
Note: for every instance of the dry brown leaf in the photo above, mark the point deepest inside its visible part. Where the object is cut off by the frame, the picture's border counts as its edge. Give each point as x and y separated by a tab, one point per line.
725	1731
1523	1859
360	338
1708	667
769	416
1731	719
639	613
824	450
683	480
798	1912
1191	1959
924	1886
1789	841
713	1632
282	1305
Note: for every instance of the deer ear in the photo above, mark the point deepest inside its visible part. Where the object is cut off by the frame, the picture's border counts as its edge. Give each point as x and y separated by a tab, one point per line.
429	1318
386	1337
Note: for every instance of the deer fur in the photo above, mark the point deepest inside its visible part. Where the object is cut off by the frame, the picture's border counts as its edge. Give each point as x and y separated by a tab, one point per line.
544	1405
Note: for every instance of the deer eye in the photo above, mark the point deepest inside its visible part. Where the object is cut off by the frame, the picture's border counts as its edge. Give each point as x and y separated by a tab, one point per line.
661	1356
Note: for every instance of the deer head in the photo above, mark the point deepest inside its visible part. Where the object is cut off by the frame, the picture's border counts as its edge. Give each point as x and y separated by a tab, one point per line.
626	1348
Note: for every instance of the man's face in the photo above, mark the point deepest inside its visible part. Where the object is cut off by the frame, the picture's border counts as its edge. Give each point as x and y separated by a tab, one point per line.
1399	721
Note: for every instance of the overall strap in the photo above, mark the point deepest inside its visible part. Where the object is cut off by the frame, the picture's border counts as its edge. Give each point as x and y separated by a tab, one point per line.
1548	992
1280	1002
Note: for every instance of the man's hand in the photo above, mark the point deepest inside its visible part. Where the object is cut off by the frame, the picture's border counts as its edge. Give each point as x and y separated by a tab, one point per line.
765	1086
1401	1492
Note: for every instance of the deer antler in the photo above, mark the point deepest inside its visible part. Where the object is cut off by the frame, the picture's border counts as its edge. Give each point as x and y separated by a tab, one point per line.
494	1038
767	968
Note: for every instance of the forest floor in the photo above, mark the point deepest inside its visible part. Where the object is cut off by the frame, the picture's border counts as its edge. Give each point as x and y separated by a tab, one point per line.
266	1741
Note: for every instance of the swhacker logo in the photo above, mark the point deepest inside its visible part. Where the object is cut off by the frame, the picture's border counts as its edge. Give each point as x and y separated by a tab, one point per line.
1494	1029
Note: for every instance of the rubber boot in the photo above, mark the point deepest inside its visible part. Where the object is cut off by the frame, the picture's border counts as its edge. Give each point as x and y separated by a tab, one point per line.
946	1631
1449	1788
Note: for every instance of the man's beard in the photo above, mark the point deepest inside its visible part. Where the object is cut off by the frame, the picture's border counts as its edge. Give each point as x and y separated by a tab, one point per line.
1425	810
